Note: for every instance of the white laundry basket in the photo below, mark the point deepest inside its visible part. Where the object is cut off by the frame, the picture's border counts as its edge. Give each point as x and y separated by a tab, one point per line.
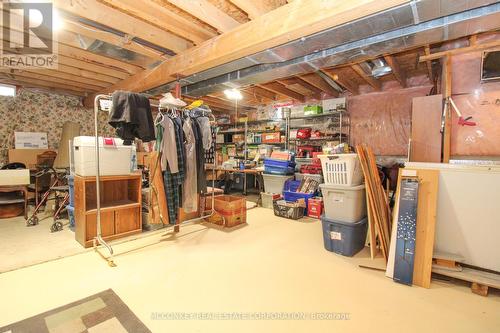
341	169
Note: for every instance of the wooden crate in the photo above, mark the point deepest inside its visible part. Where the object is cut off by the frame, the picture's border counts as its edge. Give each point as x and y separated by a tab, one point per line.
229	209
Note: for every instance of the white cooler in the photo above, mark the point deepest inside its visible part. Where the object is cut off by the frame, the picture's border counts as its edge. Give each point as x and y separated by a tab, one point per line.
344	203
114	160
275	183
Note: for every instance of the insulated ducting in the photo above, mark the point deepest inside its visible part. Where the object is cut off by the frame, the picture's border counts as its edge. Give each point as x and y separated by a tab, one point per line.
411	25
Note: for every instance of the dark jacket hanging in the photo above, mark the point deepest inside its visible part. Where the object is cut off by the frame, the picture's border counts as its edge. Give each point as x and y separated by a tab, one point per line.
200	160
131	116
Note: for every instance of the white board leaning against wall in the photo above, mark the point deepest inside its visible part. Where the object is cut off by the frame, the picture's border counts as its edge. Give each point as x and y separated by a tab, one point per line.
468	212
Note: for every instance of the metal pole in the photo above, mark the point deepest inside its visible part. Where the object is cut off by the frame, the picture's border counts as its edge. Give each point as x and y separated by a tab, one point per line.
98	238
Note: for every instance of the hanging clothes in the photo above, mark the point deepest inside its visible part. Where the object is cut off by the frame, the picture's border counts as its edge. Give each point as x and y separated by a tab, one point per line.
189	189
204	123
166	130
200	160
210	153
173	180
131	116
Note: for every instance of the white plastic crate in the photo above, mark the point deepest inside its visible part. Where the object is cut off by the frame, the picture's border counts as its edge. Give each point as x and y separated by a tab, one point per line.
341	169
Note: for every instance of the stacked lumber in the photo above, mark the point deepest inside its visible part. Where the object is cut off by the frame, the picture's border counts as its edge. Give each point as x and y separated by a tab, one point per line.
378	206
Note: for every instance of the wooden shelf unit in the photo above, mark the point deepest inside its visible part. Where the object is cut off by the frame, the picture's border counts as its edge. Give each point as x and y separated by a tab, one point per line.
120	207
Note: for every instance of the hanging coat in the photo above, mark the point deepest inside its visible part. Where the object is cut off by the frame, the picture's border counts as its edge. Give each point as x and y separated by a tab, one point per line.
190	191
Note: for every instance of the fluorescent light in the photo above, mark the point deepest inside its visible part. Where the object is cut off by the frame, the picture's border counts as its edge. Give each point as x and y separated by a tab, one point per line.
7	90
233	94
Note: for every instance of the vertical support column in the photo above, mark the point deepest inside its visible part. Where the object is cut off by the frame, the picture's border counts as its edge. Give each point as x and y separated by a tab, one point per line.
446	82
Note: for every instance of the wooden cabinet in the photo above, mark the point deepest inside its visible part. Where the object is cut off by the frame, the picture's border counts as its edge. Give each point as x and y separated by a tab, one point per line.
120	207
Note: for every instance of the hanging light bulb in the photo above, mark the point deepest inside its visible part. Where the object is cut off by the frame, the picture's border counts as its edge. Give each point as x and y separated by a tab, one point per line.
234	94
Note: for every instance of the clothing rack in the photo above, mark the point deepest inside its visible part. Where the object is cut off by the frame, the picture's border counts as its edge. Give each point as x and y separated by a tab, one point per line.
98	239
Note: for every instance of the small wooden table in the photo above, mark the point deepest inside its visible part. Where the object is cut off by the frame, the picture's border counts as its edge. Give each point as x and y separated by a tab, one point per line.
245	172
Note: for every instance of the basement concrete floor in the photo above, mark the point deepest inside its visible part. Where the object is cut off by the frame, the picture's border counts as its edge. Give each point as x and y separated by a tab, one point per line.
270	265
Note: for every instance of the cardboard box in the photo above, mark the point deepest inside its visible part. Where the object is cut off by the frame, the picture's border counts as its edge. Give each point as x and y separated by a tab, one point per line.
26	156
230	211
30	140
271	137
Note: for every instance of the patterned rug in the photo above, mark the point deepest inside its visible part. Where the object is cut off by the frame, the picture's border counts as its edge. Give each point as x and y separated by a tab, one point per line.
104	312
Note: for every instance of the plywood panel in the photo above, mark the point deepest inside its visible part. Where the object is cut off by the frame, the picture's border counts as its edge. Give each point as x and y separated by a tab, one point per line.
426	129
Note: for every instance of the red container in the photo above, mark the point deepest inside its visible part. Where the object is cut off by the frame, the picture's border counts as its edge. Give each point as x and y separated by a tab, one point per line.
311	169
304	133
315	207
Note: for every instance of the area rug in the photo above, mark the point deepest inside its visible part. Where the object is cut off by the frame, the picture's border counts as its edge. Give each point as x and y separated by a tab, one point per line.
104	312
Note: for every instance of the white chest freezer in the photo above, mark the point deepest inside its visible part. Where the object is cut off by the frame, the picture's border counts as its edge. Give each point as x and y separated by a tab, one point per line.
114	158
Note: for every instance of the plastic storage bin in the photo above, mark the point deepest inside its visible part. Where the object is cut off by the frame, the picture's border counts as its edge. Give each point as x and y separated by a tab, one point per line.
275	183
341	169
71	187
343	238
290	195
281	209
300	176
115	159
278	170
344	203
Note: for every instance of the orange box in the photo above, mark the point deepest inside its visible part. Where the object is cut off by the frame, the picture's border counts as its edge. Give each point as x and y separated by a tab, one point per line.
271	137
230	208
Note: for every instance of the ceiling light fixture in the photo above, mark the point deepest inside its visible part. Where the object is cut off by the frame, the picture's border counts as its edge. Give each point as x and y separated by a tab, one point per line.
233	94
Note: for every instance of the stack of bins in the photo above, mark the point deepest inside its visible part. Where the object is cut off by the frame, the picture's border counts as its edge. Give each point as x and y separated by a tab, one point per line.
344	222
71	205
276	173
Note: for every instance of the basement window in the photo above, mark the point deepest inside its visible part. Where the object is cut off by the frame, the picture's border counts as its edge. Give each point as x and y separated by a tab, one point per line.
7	90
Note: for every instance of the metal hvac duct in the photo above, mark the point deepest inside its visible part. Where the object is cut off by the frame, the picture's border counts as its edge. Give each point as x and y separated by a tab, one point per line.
410	25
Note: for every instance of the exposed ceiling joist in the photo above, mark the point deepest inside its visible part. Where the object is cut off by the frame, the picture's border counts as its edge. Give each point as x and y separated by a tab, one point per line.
111	38
343	81
33	83
299	81
98	12
205	11
281	89
69	77
160	16
254	8
399	74
64	60
262	92
372	81
30	75
318	82
260	34
86	73
476	47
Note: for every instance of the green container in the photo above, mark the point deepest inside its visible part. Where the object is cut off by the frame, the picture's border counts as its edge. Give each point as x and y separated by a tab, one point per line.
311	110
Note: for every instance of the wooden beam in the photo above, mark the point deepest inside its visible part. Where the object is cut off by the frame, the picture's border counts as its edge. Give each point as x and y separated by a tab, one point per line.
254	8
113	18
281	89
318	82
30	82
111	38
372	81
286	23
45	87
475	47
399	74
162	17
446	82
428	63
262	92
205	11
64	60
30	75
86	73
221	99
348	85
68	77
84	55
299	81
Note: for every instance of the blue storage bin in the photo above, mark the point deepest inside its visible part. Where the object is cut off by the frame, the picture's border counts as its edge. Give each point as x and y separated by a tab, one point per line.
71	186
290	194
272	170
344	238
278	163
71	215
